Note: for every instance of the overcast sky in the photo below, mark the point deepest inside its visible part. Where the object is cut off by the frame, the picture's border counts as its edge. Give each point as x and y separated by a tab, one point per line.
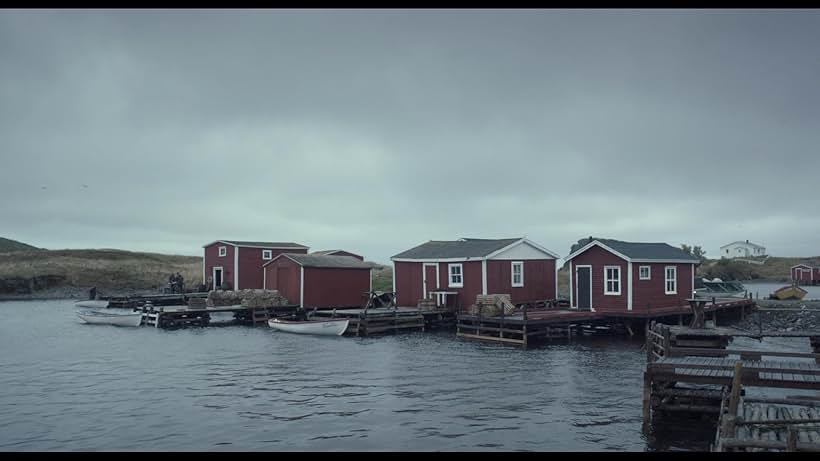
375	131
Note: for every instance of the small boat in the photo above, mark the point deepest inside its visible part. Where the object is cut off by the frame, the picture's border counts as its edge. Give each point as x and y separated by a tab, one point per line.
790	292
132	319
317	327
719	289
92	304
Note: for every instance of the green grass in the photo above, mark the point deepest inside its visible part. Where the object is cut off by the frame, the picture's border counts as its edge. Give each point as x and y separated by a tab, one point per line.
105	269
7	245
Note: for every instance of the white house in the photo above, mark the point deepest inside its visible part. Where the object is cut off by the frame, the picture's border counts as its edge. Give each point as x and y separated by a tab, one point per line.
742	250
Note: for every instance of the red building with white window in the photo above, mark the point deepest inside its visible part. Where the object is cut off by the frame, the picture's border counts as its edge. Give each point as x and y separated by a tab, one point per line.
236	265
320	281
803	274
612	276
470	267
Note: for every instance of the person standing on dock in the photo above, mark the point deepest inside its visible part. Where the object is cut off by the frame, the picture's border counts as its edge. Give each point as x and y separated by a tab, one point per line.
92	293
180	283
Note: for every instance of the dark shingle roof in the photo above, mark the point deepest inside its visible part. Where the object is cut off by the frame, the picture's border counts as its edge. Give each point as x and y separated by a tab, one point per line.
636	250
339	262
264	244
464	248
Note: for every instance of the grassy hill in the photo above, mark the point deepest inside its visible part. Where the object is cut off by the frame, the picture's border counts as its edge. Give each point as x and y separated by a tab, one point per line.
108	270
771	268
7	245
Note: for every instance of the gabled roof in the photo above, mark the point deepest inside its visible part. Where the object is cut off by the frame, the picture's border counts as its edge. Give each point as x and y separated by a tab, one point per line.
745	243
637	251
329	252
465	248
277	245
802	265
314	260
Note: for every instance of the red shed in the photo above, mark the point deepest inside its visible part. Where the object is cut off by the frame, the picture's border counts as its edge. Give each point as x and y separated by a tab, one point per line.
518	267
338	253
238	265
804	274
320	281
613	276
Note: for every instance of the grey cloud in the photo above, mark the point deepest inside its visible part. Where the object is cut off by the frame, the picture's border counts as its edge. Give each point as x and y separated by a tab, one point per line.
378	130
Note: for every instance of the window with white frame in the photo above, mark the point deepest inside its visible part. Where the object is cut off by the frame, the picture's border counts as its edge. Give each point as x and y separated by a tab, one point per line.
223	251
267	254
671	280
517	274
612	280
644	273
456	275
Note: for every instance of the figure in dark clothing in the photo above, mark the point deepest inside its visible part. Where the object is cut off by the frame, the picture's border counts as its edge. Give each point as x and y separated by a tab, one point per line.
180	283
92	293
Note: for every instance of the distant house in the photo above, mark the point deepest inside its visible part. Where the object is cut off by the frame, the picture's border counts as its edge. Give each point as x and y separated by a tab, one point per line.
338	253
803	274
742	250
321	281
237	265
470	267
613	276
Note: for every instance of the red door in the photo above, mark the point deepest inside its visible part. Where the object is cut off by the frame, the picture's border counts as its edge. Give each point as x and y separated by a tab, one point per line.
430	281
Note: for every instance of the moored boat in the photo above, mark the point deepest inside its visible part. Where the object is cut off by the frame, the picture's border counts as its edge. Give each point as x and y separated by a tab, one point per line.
790	292
719	288
318	327
92	304
132	319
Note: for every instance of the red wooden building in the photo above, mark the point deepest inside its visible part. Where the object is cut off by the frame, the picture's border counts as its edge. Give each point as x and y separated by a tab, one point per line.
320	281
338	253
470	267
804	274
613	276
238	265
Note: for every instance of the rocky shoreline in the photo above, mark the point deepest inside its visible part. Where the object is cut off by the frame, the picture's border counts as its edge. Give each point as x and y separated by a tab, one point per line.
72	293
777	315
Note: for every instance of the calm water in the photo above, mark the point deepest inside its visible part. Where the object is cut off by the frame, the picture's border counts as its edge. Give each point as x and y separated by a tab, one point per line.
765	289
70	386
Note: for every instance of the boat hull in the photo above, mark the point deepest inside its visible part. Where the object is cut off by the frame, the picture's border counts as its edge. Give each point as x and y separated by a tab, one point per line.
92	304
323	328
120	320
792	292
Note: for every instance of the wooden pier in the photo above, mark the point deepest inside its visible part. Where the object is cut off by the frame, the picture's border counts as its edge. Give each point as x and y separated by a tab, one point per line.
185	316
137	301
691	370
529	326
373	321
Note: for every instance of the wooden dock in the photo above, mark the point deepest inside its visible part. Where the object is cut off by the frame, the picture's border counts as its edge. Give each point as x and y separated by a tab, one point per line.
136	301
373	321
185	316
529	326
692	370
763	424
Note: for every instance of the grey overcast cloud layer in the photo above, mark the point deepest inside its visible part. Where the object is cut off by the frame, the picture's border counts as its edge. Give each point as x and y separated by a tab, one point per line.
375	131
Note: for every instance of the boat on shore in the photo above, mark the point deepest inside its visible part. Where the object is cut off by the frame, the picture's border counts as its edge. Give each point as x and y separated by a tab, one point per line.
92	304
132	319
317	327
789	292
720	289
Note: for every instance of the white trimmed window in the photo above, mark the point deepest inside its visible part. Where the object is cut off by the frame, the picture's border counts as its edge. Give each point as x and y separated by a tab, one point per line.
517	273
612	280
223	251
671	280
456	275
267	254
645	272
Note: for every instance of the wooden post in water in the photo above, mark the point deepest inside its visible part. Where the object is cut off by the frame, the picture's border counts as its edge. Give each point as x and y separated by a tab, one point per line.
647	395
791	441
729	426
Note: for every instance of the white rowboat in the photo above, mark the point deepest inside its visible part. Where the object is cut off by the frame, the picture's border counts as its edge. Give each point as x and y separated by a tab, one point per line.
133	319
92	304
319	327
